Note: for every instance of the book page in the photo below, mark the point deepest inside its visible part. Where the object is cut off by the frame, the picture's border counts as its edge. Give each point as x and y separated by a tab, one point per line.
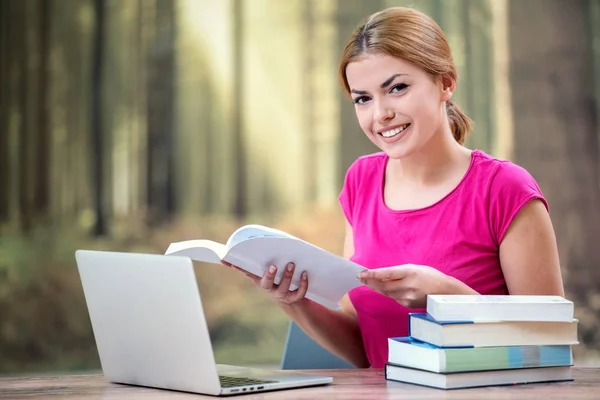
252	231
329	276
198	250
529	299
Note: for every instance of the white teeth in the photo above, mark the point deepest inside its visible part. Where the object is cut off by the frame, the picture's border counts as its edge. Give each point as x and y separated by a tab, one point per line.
394	132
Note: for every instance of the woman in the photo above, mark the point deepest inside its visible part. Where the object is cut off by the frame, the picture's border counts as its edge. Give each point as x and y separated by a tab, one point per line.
425	215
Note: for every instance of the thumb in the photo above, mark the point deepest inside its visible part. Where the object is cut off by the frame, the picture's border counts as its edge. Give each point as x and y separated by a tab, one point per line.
387	273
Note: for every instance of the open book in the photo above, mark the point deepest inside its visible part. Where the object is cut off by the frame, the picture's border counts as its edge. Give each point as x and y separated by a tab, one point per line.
254	248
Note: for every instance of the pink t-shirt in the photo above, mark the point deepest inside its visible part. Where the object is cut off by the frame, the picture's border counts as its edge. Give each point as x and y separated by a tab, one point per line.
459	235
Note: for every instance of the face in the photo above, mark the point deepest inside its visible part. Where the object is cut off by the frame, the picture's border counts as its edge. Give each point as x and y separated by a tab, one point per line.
399	106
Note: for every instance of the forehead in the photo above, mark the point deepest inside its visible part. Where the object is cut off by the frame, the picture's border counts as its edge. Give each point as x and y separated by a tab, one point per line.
372	69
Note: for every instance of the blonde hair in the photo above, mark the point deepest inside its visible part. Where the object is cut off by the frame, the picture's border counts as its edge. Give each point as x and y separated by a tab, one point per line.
410	35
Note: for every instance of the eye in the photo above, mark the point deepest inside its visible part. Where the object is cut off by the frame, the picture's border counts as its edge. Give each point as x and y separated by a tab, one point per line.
398	88
361	100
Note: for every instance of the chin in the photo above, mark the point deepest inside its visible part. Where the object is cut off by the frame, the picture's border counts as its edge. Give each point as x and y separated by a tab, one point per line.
397	151
397	154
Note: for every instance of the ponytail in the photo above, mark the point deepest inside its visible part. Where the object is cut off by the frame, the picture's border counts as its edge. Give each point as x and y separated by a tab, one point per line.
460	124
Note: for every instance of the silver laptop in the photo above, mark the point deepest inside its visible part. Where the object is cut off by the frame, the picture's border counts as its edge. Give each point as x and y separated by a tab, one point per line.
150	329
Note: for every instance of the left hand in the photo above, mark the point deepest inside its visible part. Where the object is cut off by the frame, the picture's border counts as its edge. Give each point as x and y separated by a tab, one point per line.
408	284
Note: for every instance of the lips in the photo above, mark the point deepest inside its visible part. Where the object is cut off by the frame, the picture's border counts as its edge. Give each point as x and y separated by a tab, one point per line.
390	133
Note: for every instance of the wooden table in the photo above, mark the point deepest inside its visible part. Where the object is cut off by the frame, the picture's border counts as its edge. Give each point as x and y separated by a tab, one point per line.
368	384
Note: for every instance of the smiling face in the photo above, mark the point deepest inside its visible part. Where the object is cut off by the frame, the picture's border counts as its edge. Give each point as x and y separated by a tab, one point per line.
399	106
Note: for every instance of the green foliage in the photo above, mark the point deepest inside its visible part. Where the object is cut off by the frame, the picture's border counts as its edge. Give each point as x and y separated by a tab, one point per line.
44	320
44	323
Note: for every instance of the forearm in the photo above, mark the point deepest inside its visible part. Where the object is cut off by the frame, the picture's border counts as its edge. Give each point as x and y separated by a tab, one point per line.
338	332
455	286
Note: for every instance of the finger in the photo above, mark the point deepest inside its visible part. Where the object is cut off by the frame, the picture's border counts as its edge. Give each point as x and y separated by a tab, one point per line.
266	281
284	285
392	286
228	264
388	273
374	284
383	287
300	293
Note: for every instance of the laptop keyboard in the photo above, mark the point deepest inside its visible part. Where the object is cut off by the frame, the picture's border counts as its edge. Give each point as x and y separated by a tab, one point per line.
230	381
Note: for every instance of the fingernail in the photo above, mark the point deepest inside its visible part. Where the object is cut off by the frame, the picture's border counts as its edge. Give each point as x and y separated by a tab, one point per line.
272	269
290	266
304	276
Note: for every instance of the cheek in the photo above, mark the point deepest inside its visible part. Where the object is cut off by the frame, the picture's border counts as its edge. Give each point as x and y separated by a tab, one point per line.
427	113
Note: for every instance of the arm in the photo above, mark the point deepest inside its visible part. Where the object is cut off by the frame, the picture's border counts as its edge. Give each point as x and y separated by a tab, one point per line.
336	331
529	254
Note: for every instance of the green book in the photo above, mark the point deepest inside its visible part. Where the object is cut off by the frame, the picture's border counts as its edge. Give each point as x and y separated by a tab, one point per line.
412	353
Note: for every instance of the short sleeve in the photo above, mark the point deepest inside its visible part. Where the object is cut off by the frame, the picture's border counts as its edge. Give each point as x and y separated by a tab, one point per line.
348	193
511	189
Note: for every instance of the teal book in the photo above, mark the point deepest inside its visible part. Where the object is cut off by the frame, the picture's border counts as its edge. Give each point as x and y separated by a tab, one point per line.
412	353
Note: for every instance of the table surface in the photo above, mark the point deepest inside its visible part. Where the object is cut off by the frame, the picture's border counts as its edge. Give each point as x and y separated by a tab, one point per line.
367	384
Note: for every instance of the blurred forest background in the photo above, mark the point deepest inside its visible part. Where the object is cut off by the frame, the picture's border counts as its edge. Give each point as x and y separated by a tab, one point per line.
130	124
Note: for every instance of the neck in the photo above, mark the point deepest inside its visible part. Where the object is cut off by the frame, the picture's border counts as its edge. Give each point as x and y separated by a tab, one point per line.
431	163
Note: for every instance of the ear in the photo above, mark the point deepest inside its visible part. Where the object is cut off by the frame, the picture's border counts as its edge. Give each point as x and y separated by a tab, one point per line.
448	85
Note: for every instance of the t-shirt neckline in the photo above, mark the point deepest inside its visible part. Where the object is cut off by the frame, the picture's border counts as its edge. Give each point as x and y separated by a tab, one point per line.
381	187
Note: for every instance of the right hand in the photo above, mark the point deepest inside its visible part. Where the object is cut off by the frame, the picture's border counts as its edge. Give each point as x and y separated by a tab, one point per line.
281	293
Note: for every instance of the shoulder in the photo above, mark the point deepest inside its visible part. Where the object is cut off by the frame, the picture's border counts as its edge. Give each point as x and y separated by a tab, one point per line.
364	168
363	163
361	177
504	176
509	188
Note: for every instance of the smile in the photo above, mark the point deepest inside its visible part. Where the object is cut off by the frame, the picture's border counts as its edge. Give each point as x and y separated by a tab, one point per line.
393	132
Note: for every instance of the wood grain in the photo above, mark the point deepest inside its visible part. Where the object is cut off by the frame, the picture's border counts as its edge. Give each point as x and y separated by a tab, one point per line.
364	384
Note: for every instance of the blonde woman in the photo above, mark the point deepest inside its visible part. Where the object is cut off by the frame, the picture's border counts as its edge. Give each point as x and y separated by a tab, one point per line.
426	215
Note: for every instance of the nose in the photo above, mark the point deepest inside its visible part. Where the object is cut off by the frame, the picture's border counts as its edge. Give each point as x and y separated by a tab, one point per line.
383	112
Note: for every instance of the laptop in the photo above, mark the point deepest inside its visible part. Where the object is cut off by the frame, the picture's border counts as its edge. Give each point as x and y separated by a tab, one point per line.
150	330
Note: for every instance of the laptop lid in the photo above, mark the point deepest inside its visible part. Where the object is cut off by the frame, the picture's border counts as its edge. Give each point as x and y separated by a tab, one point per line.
148	321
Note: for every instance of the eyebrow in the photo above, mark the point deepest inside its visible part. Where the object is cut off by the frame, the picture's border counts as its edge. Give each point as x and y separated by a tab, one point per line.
385	84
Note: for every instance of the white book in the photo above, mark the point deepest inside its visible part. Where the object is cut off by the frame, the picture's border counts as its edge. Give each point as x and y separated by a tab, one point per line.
481	308
491	333
254	248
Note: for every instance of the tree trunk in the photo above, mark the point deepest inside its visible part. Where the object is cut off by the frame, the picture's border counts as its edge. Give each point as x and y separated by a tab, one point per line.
240	207
5	62
555	136
23	101
160	115
97	150
42	151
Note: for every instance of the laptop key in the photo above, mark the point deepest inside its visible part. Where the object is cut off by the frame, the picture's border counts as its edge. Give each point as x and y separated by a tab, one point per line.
230	381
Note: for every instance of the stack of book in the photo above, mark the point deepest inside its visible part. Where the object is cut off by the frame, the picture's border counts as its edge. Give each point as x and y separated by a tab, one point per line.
467	341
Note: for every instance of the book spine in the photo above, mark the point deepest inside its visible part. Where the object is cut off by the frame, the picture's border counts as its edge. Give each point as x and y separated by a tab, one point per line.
508	357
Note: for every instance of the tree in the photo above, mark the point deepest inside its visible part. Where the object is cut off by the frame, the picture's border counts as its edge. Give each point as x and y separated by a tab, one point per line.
555	126
6	58
97	150
41	194
161	97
